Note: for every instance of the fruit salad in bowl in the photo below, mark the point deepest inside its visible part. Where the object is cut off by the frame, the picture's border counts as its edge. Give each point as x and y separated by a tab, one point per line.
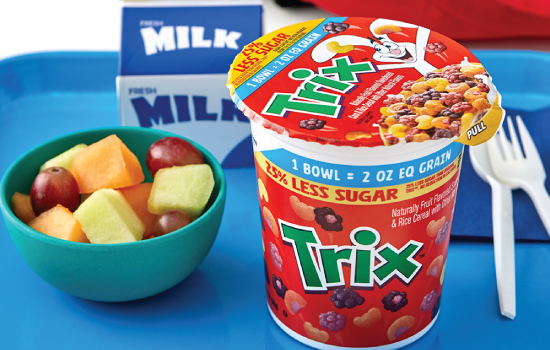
114	214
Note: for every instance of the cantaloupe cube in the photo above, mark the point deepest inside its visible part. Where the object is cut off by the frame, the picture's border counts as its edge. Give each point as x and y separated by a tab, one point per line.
65	159
59	222
107	217
186	188
22	208
138	196
106	164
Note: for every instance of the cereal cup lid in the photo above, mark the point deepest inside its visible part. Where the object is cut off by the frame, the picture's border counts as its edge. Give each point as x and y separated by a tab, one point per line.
365	82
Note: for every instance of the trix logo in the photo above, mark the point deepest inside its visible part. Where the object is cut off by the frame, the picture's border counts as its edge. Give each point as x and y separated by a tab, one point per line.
336	78
360	257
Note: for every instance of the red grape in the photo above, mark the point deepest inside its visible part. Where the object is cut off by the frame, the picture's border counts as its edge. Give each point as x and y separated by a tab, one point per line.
171	221
171	151
53	186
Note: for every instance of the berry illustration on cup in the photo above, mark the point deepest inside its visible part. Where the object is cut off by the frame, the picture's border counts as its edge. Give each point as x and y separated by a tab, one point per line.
276	256
395	300
279	286
428	301
443	233
328	219
332	321
346	297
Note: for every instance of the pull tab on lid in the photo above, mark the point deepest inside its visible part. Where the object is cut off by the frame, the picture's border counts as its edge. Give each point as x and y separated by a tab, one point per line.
365	82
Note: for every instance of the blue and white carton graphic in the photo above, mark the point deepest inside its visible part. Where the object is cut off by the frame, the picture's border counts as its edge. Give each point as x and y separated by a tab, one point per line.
174	59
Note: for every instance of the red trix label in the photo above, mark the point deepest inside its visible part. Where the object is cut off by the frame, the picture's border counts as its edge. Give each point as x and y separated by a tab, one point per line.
355	255
365	82
355	239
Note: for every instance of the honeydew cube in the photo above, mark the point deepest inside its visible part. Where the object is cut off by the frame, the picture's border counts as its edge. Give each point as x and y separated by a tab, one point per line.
59	222
83	197
107	163
186	188
107	217
22	208
65	159
138	196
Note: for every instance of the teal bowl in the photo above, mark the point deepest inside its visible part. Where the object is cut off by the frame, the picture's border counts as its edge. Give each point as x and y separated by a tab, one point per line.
111	272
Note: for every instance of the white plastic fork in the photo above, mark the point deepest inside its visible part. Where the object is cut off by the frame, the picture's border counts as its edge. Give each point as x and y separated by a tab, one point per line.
511	167
503	230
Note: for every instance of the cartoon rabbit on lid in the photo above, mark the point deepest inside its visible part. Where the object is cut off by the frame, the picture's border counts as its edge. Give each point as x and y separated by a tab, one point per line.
388	54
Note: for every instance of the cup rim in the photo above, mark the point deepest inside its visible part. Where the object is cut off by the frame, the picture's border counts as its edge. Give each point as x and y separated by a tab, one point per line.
31	233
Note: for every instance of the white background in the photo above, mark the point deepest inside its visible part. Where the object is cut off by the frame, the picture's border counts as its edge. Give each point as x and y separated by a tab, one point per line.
28	26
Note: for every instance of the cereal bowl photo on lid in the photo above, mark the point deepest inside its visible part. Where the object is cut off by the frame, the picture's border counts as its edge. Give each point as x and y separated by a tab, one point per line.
141	265
358	129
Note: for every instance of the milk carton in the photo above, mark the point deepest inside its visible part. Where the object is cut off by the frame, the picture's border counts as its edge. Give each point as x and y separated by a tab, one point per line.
174	59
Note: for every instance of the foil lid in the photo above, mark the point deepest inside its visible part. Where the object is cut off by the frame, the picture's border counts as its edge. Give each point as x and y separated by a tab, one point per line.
365	82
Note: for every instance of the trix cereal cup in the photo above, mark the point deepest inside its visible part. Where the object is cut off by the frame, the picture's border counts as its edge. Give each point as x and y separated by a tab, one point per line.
358	132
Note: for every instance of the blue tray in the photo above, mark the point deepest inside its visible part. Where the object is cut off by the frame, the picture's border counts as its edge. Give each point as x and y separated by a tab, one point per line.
521	77
222	304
